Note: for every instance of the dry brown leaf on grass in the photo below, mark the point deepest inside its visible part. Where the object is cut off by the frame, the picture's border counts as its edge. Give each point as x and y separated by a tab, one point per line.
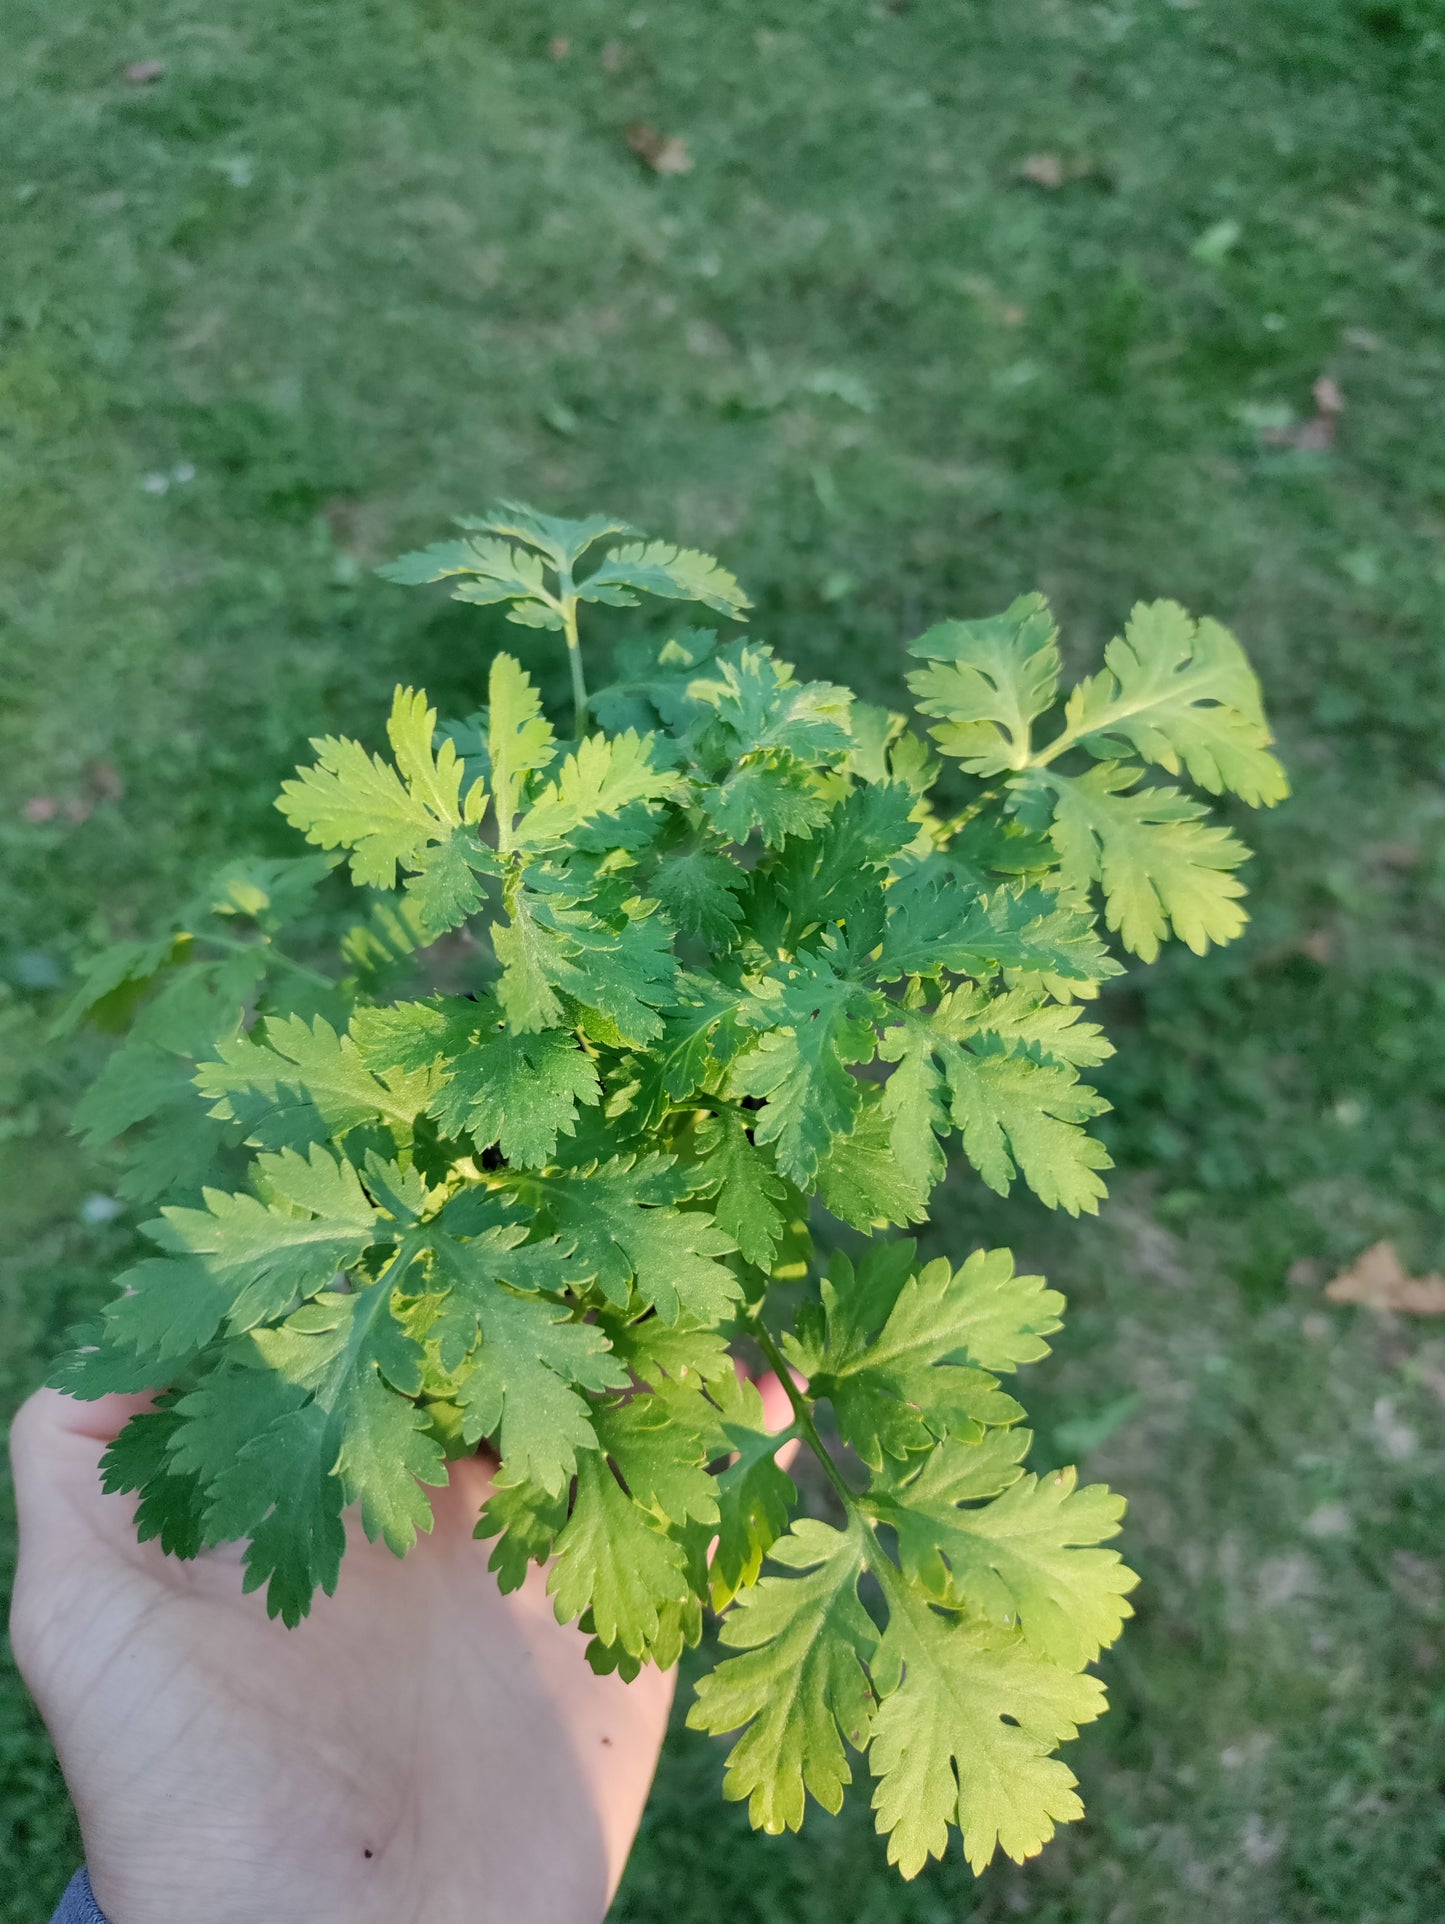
1328	395
1318	433
663	153
1052	170
1379	1280
1044	170
1402	856
103	783
46	808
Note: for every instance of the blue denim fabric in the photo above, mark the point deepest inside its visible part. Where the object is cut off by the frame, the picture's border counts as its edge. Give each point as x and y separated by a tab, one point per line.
78	1906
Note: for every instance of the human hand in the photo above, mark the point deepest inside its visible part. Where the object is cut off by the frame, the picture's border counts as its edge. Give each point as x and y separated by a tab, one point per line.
420	1748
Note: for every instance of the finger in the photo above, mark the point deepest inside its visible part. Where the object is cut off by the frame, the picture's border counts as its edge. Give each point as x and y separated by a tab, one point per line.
777	1415
103	1418
778	1411
50	1430
777	1407
56	1443
457	1504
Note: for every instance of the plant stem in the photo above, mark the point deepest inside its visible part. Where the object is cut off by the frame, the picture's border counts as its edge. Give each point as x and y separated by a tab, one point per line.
803	1412
283	961
574	660
1052	750
1101	724
947	830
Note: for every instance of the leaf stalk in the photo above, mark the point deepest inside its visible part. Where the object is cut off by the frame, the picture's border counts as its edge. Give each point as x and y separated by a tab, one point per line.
299	969
567	605
806	1428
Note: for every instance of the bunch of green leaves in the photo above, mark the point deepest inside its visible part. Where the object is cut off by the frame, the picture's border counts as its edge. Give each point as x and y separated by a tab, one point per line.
621	1026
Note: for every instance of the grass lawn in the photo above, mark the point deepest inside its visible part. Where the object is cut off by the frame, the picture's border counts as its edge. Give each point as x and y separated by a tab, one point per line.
957	298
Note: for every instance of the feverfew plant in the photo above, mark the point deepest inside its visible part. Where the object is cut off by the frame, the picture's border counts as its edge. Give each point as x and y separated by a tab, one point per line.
619	1026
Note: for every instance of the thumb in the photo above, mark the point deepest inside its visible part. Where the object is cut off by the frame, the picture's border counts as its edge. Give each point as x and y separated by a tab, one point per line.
56	1443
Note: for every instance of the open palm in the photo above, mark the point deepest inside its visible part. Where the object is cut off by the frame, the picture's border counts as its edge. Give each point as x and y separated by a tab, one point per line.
422	1747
